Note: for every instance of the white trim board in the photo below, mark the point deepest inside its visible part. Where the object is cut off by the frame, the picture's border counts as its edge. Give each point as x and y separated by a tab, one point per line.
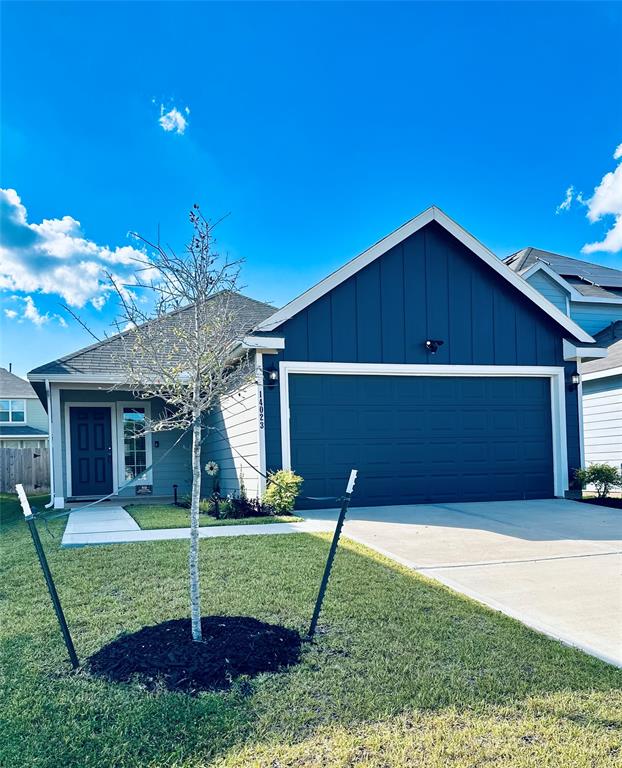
261	423
602	374
573	352
554	373
396	237
574	295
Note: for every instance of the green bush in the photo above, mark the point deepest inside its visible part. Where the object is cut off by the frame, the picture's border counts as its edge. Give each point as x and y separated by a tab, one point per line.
603	477
282	491
234	507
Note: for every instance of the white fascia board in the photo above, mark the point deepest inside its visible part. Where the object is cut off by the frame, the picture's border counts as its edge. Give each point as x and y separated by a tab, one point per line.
68	378
574	294
572	352
602	374
396	237
263	342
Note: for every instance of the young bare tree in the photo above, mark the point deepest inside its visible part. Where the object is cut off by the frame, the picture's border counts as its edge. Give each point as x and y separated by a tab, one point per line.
178	346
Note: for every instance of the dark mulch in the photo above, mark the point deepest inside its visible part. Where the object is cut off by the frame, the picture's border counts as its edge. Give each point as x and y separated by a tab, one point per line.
608	502
165	655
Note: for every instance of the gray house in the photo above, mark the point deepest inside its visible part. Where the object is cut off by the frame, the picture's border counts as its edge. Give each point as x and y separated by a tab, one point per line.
592	296
425	362
23	420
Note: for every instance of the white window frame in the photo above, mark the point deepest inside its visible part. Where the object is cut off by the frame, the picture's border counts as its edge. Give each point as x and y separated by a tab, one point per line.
113	437
555	374
10	401
147	477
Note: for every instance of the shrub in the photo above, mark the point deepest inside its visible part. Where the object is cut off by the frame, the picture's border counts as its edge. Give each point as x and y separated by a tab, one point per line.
234	507
603	477
282	491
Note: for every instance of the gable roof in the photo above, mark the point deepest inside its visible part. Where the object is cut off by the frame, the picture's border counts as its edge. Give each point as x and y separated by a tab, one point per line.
390	241
584	272
103	360
610	338
12	386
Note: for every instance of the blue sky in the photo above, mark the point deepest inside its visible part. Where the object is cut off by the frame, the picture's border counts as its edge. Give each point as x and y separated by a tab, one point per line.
318	127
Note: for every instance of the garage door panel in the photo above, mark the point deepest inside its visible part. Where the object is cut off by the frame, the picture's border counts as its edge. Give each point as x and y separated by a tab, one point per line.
421	439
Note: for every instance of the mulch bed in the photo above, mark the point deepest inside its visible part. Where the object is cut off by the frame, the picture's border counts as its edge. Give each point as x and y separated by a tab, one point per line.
608	502
166	656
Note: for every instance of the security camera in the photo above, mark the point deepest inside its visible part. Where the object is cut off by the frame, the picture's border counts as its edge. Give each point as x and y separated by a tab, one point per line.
433	344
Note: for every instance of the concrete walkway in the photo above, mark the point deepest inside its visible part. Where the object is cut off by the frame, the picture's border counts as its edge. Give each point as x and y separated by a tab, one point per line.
555	565
111	524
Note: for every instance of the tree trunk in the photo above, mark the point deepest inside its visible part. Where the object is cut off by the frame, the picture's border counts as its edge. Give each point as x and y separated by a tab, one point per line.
195	598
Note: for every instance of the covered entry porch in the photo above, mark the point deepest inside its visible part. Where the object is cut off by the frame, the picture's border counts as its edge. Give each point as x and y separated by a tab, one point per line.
99	447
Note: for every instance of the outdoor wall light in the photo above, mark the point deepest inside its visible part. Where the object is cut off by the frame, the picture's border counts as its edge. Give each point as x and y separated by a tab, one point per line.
272	376
575	380
432	345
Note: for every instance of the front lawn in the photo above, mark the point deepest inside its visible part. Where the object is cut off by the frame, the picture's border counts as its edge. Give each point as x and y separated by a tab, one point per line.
150	516
404	672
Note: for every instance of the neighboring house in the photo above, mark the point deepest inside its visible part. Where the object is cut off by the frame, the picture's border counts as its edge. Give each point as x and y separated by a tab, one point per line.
592	296
23	420
425	363
602	400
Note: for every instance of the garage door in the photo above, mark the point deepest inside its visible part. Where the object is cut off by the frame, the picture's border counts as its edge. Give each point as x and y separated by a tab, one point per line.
421	439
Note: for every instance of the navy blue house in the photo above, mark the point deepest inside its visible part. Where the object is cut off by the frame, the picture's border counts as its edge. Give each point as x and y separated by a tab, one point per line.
425	362
428	366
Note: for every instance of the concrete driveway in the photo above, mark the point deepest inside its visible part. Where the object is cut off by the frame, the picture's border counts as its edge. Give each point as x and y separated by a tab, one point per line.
555	565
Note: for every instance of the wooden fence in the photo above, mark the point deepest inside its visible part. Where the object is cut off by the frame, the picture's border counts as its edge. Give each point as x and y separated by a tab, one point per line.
29	466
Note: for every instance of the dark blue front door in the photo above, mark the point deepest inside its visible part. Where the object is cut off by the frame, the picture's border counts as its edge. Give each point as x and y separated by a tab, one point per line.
91	451
422	439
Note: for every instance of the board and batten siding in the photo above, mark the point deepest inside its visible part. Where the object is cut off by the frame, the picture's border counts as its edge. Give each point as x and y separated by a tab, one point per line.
550	290
602	420
429	286
233	443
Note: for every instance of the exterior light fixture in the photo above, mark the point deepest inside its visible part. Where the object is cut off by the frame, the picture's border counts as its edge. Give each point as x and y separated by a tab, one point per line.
575	380
272	376
432	345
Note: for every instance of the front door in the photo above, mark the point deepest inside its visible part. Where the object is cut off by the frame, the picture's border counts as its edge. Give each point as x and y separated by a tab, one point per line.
91	451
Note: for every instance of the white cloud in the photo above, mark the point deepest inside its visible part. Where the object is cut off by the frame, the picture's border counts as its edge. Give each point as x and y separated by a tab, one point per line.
32	313
607	201
173	120
54	257
567	201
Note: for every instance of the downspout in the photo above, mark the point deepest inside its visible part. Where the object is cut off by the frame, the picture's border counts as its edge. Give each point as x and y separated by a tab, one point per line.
48	394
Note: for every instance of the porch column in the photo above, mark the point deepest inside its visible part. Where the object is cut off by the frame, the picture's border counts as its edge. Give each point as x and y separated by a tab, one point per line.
56	447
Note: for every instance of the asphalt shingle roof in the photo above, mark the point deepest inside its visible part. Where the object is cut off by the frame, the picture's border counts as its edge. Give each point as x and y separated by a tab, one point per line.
605	277
12	386
106	356
611	338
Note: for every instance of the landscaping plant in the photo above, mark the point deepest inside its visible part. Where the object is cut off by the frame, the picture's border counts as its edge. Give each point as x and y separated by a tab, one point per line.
282	491
603	477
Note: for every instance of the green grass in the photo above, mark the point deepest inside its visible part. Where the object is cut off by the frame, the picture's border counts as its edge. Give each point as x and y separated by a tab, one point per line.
150	516
404	673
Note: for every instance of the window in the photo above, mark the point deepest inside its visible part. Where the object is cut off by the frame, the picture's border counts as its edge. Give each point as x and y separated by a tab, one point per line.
134	442
13	411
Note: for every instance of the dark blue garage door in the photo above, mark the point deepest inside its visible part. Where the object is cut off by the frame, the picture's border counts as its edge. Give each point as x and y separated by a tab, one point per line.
418	439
